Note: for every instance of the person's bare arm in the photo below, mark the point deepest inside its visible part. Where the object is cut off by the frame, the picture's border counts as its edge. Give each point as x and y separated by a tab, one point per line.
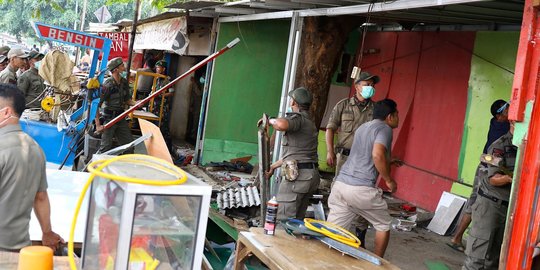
280	124
500	180
330	155
42	209
382	164
273	167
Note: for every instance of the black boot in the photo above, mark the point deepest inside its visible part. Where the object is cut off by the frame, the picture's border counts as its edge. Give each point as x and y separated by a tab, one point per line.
361	234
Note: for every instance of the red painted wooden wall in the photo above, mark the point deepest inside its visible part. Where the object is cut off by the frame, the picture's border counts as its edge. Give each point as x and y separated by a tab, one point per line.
427	74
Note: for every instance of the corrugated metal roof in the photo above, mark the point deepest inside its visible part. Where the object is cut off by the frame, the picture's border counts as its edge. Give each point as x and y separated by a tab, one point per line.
473	13
190	5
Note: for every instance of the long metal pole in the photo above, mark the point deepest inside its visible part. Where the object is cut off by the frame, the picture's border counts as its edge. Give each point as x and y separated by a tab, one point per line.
199	145
289	77
133	32
167	86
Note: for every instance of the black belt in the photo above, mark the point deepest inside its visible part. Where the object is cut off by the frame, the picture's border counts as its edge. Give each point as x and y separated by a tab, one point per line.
308	165
112	113
493	199
344	151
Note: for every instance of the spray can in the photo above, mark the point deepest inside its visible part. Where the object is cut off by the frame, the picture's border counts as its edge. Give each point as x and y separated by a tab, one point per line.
271	216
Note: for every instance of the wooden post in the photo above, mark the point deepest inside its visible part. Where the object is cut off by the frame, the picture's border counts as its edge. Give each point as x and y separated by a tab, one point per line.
133	32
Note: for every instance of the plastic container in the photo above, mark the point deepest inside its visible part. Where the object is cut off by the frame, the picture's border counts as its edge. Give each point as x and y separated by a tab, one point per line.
36	258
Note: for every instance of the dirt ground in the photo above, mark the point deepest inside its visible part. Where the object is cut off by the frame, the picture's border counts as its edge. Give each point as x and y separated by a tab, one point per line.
411	250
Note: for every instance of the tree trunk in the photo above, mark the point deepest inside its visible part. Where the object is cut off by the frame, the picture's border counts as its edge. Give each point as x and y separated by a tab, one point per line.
321	46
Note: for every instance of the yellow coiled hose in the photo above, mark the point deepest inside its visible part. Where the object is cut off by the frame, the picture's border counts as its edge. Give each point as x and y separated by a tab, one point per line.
96	169
333	231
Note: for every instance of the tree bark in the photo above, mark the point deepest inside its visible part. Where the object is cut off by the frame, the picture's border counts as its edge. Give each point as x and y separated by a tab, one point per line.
321	46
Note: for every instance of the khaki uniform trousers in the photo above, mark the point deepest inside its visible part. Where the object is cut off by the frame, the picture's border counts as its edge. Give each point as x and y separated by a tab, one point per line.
486	235
293	196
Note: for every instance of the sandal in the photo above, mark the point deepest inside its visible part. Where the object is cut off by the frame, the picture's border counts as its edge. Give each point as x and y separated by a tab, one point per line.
457	247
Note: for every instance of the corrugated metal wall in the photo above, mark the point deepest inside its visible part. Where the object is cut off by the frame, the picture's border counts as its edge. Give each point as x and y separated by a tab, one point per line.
427	74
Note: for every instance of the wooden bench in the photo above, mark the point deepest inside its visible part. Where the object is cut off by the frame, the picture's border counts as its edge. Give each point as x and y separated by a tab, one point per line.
283	251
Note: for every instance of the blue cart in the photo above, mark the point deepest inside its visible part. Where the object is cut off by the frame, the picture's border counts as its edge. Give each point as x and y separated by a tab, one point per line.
61	146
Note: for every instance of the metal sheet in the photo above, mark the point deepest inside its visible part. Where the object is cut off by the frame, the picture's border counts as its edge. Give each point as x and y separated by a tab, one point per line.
427	74
189	5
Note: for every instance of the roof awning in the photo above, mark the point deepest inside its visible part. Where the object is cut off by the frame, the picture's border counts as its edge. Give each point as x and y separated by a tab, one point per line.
440	12
166	35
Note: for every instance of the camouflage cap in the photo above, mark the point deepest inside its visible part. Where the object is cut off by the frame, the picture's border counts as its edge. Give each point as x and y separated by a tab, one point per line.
161	63
302	96
114	63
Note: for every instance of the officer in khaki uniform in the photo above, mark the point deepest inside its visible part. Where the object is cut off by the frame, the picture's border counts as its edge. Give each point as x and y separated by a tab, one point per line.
30	83
299	158
347	116
489	210
17	59
115	96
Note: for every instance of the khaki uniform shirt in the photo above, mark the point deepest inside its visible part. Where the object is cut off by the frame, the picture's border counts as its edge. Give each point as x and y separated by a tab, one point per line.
348	115
300	140
22	175
8	75
115	95
32	86
504	149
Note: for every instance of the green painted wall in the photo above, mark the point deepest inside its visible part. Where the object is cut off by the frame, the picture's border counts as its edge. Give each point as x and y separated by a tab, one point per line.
494	54
246	83
350	48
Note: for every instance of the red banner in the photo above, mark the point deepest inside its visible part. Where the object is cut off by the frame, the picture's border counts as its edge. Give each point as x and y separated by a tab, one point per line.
120	44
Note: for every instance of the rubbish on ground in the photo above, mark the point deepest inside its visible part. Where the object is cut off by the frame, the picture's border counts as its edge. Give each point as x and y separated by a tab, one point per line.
403	225
318	210
238	166
408	207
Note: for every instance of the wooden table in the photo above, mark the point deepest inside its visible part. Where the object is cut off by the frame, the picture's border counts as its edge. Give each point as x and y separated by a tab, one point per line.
10	260
283	251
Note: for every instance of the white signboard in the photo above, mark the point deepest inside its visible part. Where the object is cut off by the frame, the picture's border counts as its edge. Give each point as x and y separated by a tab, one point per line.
103	14
167	35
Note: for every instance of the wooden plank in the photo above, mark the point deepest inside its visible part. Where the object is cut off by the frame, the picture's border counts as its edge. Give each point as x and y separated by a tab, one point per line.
264	162
140	114
155	146
283	251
